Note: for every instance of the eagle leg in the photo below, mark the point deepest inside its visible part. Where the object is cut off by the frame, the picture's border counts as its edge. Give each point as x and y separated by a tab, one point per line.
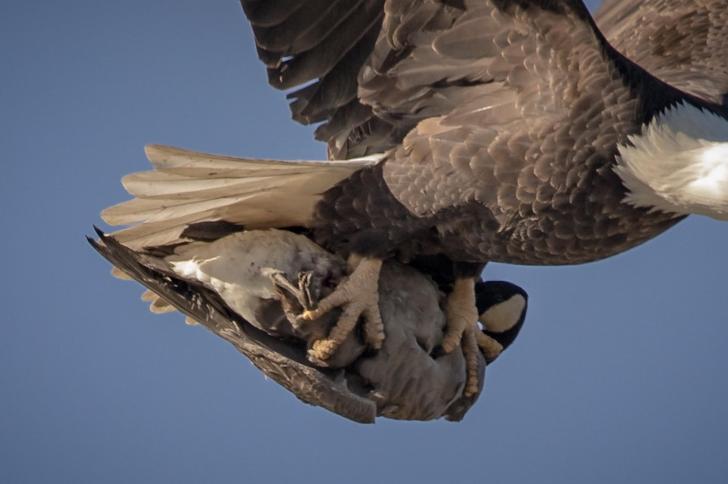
461	311
462	329
357	295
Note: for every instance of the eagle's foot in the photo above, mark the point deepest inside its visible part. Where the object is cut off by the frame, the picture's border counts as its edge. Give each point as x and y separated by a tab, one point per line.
461	312
358	295
462	330
295	297
472	361
474	342
490	347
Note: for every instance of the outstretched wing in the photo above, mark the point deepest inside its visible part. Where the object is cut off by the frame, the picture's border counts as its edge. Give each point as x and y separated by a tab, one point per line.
370	70
682	42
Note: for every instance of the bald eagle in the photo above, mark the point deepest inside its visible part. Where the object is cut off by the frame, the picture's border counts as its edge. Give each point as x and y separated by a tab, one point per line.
463	132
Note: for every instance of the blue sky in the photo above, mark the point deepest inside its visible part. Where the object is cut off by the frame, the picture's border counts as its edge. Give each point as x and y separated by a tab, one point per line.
618	375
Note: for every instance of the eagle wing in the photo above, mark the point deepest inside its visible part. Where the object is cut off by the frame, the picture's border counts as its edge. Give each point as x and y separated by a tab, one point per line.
682	42
370	70
466	90
548	102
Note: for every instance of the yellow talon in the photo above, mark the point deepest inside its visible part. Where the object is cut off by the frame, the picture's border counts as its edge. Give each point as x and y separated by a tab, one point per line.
357	296
307	315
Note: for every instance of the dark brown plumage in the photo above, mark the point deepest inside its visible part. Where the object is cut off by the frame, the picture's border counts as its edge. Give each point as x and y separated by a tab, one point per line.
682	42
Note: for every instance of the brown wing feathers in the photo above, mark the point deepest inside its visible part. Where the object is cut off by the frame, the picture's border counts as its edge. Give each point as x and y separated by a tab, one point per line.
682	42
333	48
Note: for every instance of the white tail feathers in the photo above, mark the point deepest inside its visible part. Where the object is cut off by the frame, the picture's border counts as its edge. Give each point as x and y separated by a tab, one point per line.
188	187
678	163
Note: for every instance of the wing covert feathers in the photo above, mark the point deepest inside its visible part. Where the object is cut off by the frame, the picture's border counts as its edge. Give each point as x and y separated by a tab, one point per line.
682	42
187	187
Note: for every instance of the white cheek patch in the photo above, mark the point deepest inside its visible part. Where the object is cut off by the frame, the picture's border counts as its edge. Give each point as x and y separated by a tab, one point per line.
505	315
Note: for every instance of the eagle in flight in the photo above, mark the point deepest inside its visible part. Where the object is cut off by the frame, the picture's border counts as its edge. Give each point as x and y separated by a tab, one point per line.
461	132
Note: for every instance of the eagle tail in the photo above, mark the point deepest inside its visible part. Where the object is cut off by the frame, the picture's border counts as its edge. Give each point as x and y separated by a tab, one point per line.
187	188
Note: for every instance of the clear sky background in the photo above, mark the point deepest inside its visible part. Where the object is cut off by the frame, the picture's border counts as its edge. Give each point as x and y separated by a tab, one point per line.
618	376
